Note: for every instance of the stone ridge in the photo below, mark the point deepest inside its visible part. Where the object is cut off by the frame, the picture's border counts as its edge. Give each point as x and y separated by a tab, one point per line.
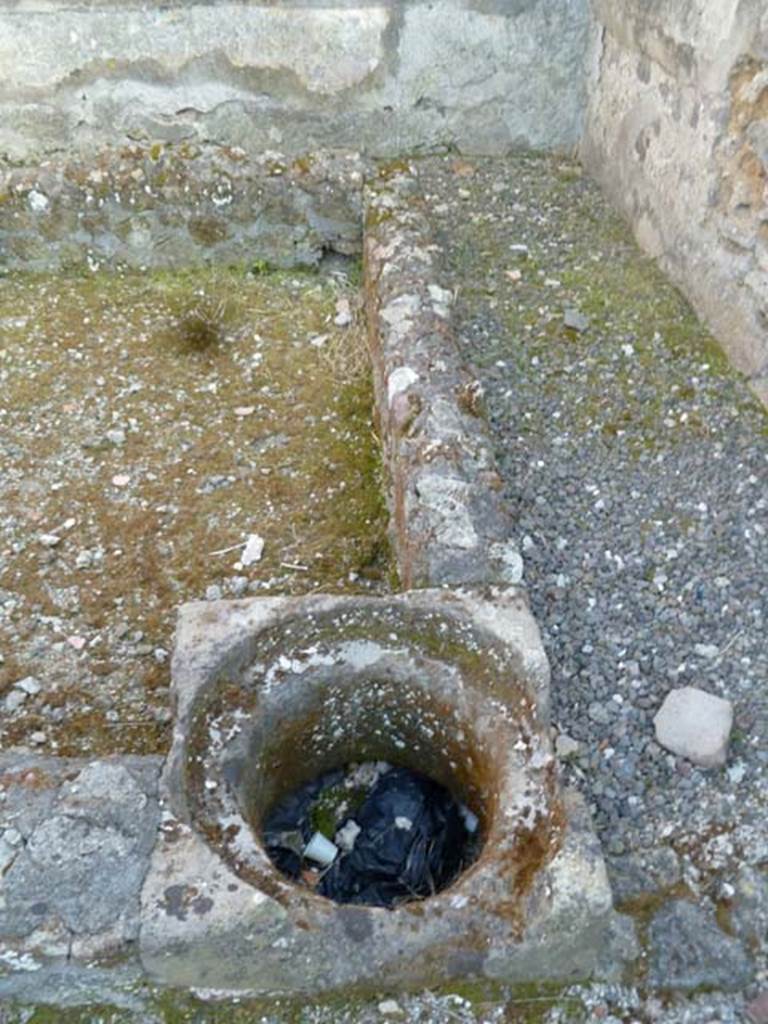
449	521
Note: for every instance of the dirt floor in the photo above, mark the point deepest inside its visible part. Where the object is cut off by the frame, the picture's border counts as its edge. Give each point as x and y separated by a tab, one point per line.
149	425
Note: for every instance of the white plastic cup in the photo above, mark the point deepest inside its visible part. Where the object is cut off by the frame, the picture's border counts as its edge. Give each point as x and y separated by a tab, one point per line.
321	850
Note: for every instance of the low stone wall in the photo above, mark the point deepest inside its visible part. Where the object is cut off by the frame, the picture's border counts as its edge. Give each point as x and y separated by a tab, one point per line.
677	134
480	75
180	206
448	519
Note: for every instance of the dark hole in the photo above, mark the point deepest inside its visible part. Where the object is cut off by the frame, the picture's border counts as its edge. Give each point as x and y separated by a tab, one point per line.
372	834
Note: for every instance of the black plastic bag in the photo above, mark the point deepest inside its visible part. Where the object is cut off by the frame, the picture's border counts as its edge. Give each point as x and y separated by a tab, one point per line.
411	844
412	841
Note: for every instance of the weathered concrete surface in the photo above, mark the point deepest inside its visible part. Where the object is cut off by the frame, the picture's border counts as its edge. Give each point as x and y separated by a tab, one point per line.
677	134
448	519
702	955
480	75
439	680
58	984
178	206
75	841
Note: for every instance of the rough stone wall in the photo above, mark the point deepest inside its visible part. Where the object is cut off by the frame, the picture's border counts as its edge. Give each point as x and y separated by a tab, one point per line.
677	134
449	522
165	206
386	77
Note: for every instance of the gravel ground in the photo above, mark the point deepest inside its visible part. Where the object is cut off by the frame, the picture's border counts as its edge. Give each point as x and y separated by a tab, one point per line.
636	464
149	423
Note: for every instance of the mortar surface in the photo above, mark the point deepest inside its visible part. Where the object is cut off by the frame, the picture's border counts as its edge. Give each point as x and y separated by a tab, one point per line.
149	424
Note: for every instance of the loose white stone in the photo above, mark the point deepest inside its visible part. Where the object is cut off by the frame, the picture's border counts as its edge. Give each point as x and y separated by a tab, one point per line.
49	540
695	725
343	313
253	550
389	1008
14	700
29	685
574	319
708	651
566	746
38	201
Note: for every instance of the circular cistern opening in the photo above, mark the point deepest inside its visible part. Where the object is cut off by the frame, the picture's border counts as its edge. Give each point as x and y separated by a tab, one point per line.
375	786
372	833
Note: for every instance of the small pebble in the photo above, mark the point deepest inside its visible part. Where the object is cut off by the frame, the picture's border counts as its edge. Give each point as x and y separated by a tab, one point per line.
566	747
29	685
390	1008
14	700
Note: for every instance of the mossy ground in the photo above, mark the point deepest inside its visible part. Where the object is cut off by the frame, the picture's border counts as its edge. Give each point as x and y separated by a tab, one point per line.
151	421
468	1003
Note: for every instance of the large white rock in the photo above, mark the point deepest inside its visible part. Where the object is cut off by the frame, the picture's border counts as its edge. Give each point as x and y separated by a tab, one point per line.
696	725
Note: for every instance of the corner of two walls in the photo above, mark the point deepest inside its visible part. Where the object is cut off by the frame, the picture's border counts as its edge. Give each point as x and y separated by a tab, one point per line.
676	133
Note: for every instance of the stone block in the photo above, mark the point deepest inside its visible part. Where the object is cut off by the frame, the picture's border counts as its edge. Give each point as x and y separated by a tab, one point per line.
694	724
272	692
80	836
